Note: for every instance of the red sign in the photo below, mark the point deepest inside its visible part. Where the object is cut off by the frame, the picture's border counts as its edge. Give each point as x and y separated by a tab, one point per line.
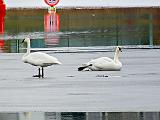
51	2
52	22
51	25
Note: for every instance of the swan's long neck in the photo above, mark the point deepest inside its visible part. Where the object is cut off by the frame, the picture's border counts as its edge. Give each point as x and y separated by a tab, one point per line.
116	56
28	48
24	58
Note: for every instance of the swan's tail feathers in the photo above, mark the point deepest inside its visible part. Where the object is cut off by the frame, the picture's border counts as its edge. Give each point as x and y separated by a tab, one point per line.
83	67
59	63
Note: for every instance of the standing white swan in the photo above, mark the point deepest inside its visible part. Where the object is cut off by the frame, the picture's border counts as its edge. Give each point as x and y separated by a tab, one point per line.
38	59
104	63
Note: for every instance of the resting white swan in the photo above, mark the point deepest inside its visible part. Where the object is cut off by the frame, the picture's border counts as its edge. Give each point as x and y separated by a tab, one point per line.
38	59
104	63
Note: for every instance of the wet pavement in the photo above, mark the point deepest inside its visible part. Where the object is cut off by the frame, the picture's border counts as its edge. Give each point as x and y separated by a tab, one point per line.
135	88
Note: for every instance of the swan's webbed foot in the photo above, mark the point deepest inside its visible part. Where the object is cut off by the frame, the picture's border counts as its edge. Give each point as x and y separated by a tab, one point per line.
39	76
39	73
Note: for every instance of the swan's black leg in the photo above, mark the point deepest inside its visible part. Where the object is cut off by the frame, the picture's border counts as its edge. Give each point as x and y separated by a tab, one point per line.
42	72
39	73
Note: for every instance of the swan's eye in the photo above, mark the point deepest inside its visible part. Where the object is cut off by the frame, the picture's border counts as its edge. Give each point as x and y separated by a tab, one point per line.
120	49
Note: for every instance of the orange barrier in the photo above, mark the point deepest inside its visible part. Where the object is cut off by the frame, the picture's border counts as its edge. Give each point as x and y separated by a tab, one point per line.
2	14
2	8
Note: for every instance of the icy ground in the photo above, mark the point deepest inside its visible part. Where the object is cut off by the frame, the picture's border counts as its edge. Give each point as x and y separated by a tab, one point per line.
135	88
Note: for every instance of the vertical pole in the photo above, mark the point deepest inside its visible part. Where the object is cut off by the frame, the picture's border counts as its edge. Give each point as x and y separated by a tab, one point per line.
117	30
150	29
117	37
17	46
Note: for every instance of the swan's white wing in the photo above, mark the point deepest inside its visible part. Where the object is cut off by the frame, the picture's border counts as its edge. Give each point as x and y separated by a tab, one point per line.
101	60
107	59
40	59
101	63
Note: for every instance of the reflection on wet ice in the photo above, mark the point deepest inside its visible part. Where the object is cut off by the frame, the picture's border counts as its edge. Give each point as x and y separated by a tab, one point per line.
80	116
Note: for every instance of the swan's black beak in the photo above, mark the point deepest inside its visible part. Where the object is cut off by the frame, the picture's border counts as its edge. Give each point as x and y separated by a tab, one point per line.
120	49
23	41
